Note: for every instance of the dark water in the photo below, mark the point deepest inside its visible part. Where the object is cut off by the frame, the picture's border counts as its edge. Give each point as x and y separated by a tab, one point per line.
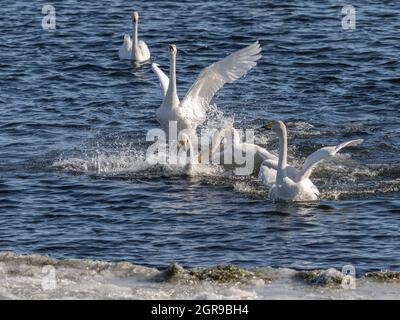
66	100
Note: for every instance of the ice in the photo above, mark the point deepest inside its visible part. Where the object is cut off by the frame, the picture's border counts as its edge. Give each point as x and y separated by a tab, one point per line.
40	277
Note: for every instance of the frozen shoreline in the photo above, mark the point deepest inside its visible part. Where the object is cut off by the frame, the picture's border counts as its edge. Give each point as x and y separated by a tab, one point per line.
41	277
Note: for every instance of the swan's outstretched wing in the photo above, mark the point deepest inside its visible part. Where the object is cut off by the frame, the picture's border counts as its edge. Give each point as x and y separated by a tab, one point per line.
144	49
321	154
216	75
164	80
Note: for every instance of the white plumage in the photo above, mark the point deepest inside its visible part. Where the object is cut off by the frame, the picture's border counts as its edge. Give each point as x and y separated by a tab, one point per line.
133	48
286	182
191	111
236	147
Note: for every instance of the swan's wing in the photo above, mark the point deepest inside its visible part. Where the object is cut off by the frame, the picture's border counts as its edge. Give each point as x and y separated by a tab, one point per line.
216	75
264	154
272	164
267	175
164	80
321	154
125	51
144	49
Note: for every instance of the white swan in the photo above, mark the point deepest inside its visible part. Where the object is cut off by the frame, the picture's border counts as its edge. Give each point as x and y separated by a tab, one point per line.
290	184
133	48
227	157
192	160
191	111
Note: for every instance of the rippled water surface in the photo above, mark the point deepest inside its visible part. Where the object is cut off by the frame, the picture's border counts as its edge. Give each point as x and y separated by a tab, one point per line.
73	122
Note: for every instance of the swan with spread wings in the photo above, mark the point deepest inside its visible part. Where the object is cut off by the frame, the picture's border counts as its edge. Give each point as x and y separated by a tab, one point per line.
286	182
191	111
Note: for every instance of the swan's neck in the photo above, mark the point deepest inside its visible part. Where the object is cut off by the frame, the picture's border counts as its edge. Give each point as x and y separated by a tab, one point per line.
282	162
135	50
172	93
191	151
235	137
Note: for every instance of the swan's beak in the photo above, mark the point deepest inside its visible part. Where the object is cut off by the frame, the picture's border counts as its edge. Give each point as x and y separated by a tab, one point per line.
183	142
268	126
199	158
172	49
135	16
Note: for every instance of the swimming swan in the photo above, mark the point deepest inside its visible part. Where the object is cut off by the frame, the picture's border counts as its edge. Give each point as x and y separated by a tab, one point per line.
191	111
134	49
289	184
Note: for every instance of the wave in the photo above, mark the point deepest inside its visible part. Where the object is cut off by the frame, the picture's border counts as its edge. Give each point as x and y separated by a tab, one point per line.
341	177
338	178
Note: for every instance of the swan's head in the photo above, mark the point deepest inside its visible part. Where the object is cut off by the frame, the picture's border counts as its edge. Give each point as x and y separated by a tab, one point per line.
184	140
276	126
127	38
172	49
135	16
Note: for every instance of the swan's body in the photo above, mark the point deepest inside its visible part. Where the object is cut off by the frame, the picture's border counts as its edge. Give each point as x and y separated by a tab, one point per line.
268	172
190	162
191	111
227	157
133	48
289	184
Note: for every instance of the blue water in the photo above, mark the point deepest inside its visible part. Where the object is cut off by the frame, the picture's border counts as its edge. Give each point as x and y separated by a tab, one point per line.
66	99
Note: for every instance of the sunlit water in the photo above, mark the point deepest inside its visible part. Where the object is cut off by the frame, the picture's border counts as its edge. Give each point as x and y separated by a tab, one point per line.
73	120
